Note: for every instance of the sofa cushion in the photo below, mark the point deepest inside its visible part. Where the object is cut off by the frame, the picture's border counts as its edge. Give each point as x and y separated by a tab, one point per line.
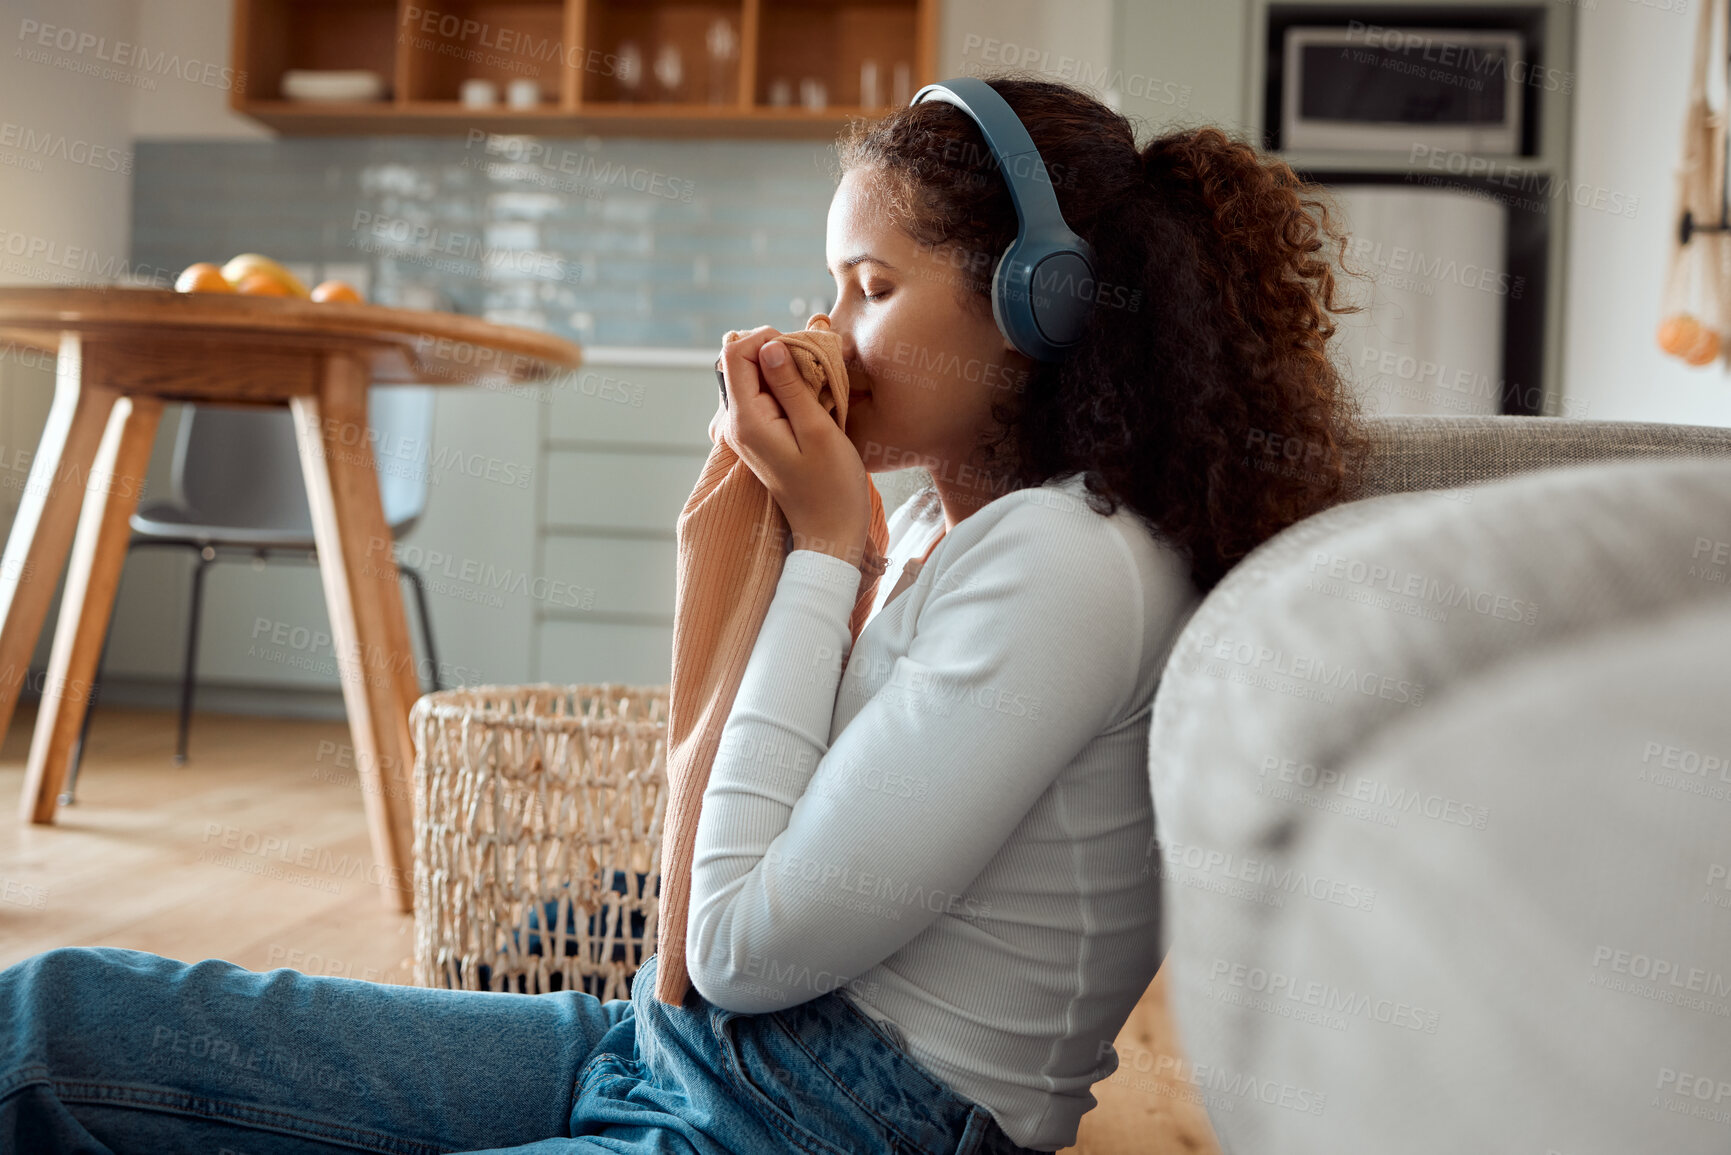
1423	813
1410	452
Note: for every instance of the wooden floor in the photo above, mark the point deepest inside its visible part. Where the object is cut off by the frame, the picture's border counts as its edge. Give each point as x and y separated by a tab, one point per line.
256	852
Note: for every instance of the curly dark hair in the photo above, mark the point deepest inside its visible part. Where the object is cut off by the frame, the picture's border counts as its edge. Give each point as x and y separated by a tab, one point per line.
1201	393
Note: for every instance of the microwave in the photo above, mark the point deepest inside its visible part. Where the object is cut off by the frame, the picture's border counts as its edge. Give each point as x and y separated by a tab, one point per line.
1367	88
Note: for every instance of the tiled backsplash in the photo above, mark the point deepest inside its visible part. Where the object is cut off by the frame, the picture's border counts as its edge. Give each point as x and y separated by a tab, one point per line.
605	241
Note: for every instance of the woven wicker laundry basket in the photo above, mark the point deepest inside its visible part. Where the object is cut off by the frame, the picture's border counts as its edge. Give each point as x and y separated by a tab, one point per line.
538	813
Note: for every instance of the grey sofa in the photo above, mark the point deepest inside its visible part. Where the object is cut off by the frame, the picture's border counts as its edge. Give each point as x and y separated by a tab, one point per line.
1442	784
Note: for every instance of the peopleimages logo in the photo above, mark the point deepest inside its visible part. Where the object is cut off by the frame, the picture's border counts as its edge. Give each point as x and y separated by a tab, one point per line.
583	165
941	364
1542	186
450	251
72	264
1024	165
1326	997
507	46
1452	57
996	55
1228	1085
1301	669
1697	1096
1392	800
1399	259
1262	872
59	146
252	843
1663	971
1050	280
122	54
1407	584
893	892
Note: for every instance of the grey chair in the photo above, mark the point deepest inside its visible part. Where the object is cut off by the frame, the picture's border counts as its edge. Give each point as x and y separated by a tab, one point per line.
239	492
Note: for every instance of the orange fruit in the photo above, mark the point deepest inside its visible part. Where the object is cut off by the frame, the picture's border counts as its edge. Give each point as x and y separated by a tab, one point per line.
1678	334
1705	350
336	291
247	264
202	277
262	285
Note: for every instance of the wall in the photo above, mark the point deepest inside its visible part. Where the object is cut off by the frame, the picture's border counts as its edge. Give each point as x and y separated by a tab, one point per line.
201	31
1633	59
1071	42
1161	63
66	159
60	220
1182	62
65	145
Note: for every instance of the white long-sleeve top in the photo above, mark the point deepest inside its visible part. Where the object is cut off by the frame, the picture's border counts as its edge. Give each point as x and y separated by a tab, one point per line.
959	830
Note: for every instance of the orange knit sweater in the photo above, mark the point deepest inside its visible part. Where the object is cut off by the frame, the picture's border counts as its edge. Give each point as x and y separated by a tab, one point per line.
732	542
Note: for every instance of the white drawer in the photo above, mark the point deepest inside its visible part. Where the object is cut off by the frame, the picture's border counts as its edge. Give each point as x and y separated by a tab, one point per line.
640	404
612	575
620	490
604	652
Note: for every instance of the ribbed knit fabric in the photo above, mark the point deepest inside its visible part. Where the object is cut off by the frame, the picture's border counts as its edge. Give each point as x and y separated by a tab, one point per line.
733	541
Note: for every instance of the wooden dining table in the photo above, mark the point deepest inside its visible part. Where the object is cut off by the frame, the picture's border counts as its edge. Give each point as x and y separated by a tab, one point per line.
120	354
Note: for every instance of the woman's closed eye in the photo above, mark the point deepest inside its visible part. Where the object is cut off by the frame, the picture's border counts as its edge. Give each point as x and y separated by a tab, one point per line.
876	291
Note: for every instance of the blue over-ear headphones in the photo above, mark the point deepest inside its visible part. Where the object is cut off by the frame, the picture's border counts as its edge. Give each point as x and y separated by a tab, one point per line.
1043	285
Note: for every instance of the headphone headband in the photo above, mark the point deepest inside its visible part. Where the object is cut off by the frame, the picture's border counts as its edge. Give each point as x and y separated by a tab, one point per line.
1024	169
1043	285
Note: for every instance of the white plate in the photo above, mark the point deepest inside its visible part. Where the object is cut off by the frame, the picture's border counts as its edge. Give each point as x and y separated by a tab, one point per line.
332	85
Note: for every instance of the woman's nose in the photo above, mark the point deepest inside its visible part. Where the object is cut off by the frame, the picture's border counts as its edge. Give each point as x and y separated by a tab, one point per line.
822	321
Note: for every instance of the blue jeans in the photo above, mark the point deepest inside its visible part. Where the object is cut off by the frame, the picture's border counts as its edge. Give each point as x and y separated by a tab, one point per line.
104	1050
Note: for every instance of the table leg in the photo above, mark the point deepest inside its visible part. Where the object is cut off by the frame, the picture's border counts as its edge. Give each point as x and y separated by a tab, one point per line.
365	602
47	511
98	554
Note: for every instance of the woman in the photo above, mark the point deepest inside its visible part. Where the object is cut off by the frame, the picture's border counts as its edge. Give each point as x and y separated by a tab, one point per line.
922	902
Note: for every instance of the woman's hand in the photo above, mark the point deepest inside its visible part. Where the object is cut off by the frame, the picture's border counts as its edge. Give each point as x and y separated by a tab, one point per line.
793	445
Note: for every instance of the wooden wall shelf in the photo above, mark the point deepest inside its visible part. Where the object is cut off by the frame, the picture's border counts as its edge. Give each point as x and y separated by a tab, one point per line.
576	50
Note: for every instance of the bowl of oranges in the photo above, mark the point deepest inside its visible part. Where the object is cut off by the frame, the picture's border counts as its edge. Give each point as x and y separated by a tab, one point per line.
253	275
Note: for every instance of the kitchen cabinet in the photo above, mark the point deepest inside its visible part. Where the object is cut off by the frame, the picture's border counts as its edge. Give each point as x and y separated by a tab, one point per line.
629	67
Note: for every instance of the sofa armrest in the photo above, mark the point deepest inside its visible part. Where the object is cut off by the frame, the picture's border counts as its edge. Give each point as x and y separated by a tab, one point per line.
1410	858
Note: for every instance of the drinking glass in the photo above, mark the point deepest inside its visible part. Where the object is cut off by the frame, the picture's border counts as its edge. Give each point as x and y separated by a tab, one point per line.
870	97
723	44
629	70
670	72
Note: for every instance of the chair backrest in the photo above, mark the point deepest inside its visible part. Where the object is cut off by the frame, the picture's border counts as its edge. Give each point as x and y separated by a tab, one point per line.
1434	452
240	466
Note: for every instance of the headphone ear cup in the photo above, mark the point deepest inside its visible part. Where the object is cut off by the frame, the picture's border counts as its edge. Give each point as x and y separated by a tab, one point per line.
1011	305
1000	299
1060	295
